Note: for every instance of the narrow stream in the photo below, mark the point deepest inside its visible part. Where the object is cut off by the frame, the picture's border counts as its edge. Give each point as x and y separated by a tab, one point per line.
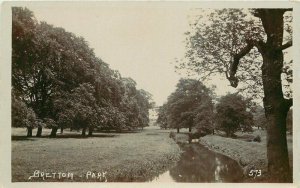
198	164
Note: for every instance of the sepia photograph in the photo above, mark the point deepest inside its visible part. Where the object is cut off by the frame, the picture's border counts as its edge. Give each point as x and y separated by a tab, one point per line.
152	92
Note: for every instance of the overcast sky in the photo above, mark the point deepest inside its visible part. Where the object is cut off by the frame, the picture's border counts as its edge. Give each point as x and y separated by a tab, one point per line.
141	42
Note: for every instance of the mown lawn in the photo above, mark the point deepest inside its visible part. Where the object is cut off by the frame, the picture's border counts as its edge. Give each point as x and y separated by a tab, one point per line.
124	157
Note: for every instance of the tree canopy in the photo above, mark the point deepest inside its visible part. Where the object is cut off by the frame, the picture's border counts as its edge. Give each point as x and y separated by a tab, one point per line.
190	105
217	35
232	114
58	76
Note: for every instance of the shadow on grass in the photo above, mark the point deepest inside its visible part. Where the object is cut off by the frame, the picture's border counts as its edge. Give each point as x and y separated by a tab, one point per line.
163	132
152	134
247	138
21	138
77	136
121	132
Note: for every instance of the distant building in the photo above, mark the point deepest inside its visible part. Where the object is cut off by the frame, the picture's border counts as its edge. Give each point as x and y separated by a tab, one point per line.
153	116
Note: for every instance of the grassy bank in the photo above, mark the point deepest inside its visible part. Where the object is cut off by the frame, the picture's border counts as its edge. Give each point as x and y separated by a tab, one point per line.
124	157
250	155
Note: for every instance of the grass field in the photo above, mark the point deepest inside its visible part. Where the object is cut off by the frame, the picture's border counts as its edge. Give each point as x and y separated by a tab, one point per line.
124	157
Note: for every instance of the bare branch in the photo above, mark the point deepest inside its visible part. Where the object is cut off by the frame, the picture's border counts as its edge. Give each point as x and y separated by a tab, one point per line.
236	59
234	64
285	46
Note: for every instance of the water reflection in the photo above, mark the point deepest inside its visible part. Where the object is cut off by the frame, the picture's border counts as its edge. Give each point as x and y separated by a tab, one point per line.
218	170
198	164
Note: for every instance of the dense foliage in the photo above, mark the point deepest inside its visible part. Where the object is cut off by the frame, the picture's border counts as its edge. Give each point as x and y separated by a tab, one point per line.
58	82
233	114
216	36
190	105
259	118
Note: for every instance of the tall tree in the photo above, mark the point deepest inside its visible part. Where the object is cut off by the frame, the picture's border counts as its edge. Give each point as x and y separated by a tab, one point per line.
232	114
144	99
205	117
22	116
265	37
162	117
188	101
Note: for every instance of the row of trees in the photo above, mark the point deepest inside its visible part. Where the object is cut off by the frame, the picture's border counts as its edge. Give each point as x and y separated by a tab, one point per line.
58	82
193	105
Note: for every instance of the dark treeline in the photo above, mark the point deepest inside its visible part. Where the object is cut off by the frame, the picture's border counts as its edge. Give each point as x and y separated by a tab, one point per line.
58	82
194	106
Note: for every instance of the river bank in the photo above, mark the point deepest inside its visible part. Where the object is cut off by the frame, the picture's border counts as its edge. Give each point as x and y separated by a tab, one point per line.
250	155
198	164
127	157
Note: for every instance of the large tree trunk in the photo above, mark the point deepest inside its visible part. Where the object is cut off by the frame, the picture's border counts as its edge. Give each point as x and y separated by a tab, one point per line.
61	130
277	152
177	129
276	107
53	132
83	133
91	129
39	132
190	128
29	131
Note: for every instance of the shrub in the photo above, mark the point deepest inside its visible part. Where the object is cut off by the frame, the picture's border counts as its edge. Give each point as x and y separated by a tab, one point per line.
233	114
172	135
257	139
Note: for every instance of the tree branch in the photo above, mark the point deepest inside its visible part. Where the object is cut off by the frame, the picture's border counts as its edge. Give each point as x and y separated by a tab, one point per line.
285	46
236	59
234	64
260	12
287	9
